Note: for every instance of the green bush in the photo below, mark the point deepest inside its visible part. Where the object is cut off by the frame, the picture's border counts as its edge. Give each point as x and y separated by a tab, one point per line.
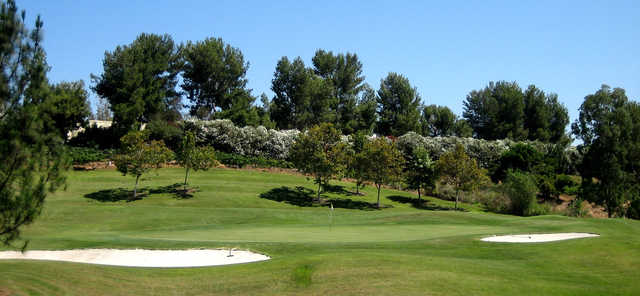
82	155
633	211
565	184
493	201
170	133
576	208
521	190
239	161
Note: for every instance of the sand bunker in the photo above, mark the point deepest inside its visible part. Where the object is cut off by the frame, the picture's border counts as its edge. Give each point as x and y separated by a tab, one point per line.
142	258
537	238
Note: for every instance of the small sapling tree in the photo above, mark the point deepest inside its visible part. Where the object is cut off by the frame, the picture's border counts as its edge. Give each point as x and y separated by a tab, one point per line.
139	157
319	152
421	171
357	162
383	161
195	158
460	171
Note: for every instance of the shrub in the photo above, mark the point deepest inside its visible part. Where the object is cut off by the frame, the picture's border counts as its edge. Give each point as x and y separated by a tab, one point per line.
633	211
576	208
565	184
82	155
521	190
240	161
493	201
168	132
96	137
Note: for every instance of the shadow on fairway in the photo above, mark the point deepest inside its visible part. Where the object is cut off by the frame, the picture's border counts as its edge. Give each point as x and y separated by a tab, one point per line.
424	205
304	197
119	194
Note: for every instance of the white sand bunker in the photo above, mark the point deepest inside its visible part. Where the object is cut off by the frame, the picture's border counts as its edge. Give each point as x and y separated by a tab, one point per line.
537	238
142	258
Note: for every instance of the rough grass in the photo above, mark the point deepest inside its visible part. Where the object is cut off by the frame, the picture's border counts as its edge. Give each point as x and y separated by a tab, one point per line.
404	249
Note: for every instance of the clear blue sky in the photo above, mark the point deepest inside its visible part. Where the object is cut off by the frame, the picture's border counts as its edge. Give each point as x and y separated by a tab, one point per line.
445	48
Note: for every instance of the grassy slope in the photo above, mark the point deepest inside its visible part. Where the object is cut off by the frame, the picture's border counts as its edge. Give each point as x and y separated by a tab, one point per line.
399	250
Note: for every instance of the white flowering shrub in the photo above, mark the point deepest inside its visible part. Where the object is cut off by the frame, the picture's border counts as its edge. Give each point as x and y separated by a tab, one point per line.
248	141
274	144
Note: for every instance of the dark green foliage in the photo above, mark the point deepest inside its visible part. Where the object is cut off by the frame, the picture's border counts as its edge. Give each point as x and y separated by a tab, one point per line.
32	158
344	73
67	108
437	121
576	208
366	110
214	75
357	165
521	157
96	137
609	127
521	189
565	184
633	211
545	118
82	155
168	132
139	81
302	99
398	104
462	129
502	110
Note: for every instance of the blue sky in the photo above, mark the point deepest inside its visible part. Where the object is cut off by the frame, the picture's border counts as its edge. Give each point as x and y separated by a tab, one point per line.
445	48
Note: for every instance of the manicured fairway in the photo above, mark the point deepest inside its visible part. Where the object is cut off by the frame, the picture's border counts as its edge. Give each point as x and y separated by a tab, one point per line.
394	251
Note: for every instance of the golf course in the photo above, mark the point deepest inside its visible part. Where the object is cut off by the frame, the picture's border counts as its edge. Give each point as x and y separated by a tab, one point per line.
355	249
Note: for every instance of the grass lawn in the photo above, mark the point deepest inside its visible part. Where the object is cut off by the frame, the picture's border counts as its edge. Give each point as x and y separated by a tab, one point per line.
400	250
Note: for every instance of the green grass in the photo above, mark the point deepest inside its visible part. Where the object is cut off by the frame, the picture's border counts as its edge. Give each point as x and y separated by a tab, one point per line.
399	250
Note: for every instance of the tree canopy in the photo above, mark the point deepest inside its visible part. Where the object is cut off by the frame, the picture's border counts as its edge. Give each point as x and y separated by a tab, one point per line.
461	171
502	110
139	80
398	104
609	127
32	158
383	163
68	107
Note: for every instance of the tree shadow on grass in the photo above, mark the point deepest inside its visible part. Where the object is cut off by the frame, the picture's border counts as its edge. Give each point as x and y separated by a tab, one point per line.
337	189
304	197
119	194
423	204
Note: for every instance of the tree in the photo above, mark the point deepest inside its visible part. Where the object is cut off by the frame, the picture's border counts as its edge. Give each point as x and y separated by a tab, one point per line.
462	129
545	118
357	163
139	80
384	163
398	106
214	77
103	110
520	188
437	121
609	127
68	107
138	157
302	99
196	158
366	109
344	73
496	112
460	171
420	171
32	159
319	152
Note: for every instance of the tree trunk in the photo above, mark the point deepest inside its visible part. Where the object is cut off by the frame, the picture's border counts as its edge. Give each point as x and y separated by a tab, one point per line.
457	194
419	197
318	194
357	188
135	187
185	179
378	185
